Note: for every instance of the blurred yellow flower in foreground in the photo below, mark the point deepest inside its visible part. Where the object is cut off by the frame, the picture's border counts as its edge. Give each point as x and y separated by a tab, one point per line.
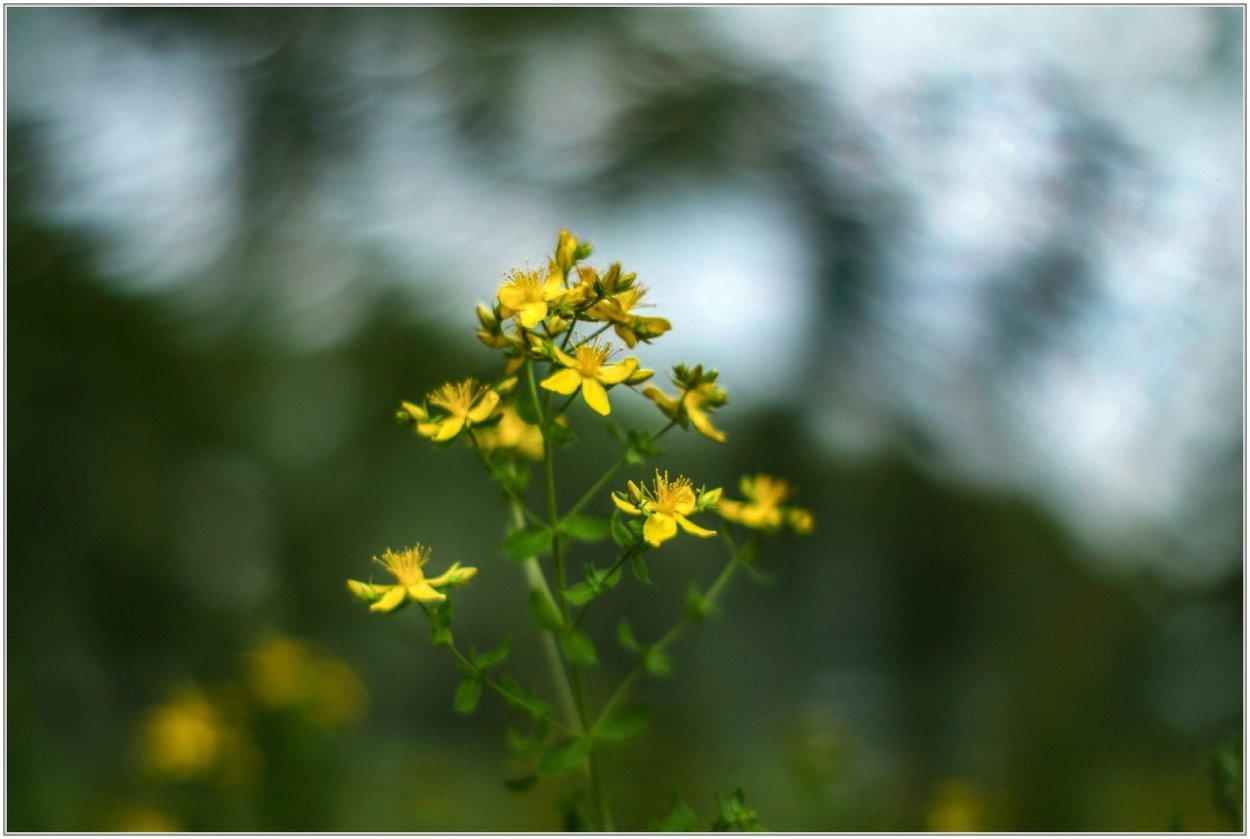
694	404
956	808
763	508
406	566
143	818
515	434
666	507
183	737
284	672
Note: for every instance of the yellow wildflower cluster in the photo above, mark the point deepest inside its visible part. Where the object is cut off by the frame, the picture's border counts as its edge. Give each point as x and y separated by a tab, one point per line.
763	508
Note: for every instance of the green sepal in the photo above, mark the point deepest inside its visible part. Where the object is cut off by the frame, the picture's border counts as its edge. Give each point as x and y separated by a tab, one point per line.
578	648
564	756
614	431
488	659
587	528
625	635
467	694
526	542
621	534
625	724
641	446
560	435
681	819
544	613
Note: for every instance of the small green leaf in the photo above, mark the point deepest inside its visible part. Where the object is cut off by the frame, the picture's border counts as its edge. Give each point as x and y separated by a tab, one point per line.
525	700
527	542
614	431
560	435
578	648
657	662
625	724
587	528
564	756
639	566
467	695
681	819
543	611
580	593
440	623
488	659
526	408
698	607
625	635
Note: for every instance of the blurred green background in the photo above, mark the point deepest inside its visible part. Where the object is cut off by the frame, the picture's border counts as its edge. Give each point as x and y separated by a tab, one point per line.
973	281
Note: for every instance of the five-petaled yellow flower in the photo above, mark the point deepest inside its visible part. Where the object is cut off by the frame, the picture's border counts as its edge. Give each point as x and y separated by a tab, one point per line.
763	508
527	293
694	403
586	370
412	584
630	327
666	507
465	403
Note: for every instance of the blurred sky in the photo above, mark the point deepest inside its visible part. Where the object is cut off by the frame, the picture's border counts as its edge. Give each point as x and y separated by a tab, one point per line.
1065	179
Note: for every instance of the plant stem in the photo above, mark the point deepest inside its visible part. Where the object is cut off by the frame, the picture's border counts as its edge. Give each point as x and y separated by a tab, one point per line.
598	486
714	591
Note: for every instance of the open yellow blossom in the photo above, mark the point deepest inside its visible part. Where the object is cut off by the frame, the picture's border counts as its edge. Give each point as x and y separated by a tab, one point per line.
527	293
693	404
666	507
763	508
412	584
630	327
587	370
464	404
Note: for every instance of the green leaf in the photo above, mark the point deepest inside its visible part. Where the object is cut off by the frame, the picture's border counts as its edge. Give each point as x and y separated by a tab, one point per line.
488	659
620	533
440	623
526	408
698	607
580	593
614	431
625	724
543	611
527	542
578	648
560	435
681	819
639	566
525	700
657	662
587	528
735	816
467	695
625	635
564	756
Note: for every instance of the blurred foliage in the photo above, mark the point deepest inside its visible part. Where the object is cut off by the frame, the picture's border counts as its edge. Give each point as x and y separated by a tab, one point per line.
184	484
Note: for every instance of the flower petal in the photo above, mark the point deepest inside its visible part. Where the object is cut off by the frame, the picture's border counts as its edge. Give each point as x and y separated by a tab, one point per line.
553	287
423	592
658	396
532	314
390	601
512	296
448	428
704	426
563	382
625	506
658	529
596	397
484	407
617	373
563	357
692	528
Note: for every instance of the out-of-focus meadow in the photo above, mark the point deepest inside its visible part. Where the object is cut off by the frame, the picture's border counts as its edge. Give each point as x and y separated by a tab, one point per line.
973	280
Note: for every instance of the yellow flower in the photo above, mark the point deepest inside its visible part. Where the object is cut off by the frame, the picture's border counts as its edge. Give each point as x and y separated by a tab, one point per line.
630	327
693	404
514	433
184	737
526	294
412	584
763	508
666	507
566	250
464	403
587	371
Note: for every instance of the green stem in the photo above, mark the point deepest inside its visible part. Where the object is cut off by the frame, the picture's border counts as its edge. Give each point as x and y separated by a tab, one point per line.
593	492
670	637
487	680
